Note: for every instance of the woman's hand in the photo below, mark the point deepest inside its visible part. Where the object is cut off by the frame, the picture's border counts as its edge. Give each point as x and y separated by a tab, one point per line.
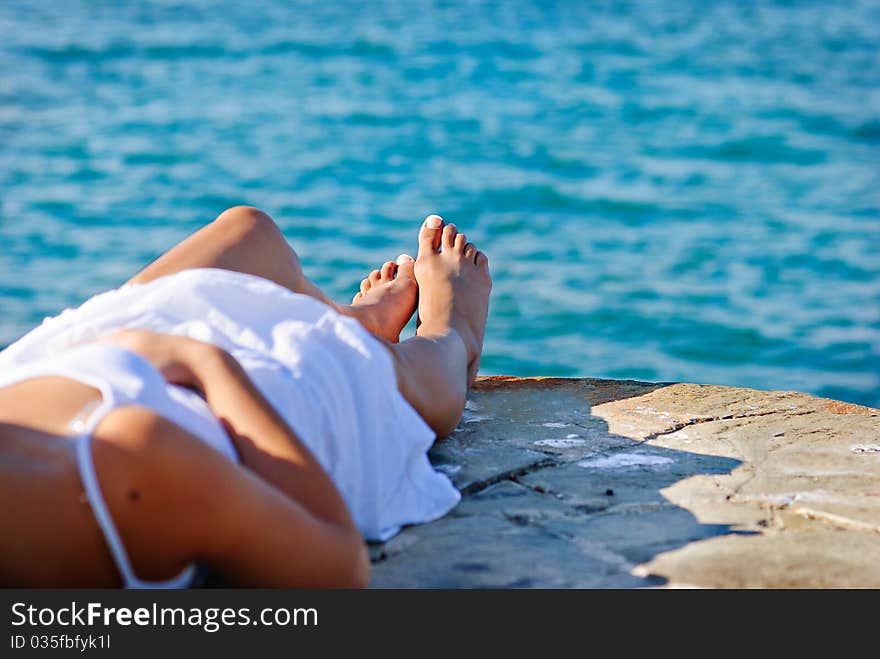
175	357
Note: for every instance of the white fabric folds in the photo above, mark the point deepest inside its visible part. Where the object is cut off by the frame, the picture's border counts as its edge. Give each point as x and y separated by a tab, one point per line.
329	378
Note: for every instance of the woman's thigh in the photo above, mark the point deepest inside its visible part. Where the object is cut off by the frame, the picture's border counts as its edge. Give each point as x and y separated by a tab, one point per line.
243	239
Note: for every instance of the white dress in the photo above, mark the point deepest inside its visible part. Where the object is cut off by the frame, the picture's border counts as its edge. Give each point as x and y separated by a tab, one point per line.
330	379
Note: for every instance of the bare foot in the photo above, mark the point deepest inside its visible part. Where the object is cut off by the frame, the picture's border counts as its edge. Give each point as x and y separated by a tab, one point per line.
387	299
454	287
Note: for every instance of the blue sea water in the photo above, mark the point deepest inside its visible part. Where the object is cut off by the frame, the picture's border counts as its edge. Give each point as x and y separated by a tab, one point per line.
679	190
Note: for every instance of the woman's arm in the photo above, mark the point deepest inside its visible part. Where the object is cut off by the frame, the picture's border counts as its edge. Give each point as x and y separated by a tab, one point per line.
265	443
194	504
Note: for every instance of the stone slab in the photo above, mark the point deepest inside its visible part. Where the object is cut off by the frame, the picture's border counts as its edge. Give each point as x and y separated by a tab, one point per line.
585	483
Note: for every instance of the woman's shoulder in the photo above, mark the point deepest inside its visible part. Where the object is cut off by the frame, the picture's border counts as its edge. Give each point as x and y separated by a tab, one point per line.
158	482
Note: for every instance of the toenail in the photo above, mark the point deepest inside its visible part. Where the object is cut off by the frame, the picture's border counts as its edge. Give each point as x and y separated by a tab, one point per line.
433	222
404	258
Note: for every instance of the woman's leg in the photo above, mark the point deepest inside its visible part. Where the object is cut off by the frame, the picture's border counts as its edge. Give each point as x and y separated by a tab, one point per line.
244	239
433	368
436	367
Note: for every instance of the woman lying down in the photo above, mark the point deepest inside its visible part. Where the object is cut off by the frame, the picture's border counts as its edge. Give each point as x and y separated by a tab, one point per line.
219	411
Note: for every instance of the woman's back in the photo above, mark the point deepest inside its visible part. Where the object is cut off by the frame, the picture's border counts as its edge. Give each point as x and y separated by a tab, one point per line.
51	534
49	411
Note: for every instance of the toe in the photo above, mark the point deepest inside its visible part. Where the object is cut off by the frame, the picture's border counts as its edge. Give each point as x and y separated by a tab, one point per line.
470	252
357	296
375	275
388	270
460	242
405	266
365	285
429	235
449	233
482	260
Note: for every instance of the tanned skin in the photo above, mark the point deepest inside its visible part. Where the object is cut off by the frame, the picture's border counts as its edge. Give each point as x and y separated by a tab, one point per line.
276	519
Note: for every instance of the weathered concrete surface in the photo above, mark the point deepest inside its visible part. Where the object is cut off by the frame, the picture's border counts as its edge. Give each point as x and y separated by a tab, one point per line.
597	483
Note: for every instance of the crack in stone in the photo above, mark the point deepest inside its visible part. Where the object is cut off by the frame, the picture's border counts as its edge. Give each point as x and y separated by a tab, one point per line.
777	522
510	475
710	419
838	521
593	549
805	512
753	467
537	489
378	553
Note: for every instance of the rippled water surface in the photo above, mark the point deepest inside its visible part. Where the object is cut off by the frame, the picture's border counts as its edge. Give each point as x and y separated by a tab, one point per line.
667	190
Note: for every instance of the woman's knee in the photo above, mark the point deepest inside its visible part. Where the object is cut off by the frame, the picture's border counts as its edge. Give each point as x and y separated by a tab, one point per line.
248	220
253	243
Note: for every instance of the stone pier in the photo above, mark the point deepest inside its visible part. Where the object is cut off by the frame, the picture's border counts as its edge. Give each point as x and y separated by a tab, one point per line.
584	483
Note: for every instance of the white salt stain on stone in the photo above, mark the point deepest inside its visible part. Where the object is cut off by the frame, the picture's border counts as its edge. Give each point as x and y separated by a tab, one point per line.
821	496
475	418
641	409
789	498
866	448
571	436
554	424
782	498
449	470
568	442
625	461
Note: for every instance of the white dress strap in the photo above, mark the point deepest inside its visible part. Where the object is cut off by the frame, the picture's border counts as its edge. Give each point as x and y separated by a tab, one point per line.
89	477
